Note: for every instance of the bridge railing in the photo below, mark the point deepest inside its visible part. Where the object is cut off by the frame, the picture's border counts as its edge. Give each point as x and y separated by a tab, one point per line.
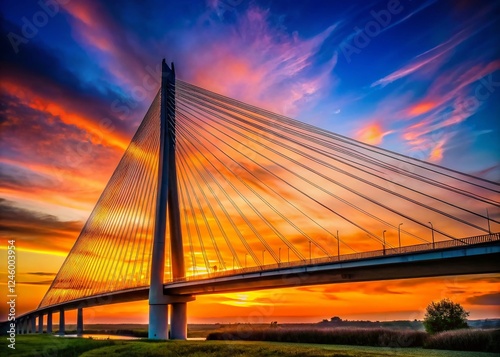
349	257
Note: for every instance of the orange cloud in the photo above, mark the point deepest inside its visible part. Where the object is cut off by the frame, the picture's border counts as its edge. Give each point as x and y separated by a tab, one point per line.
39	232
421	108
372	134
68	115
436	153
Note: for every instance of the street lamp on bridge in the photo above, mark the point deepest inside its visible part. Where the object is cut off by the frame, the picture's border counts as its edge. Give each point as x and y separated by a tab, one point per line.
383	235
310	253
338	246
399	236
246	260
488	218
263	256
432	229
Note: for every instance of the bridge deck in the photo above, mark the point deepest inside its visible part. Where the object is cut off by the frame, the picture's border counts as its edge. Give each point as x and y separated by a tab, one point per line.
474	255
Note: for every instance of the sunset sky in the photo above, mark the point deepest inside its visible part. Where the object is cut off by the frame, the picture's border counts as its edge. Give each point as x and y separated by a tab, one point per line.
77	81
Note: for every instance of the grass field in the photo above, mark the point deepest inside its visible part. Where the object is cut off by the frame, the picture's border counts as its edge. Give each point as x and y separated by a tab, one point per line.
49	346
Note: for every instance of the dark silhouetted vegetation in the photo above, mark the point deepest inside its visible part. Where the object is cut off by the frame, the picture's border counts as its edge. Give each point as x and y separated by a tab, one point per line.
377	337
457	340
465	340
445	315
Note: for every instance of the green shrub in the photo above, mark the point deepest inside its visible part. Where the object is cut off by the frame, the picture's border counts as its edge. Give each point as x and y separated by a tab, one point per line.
445	315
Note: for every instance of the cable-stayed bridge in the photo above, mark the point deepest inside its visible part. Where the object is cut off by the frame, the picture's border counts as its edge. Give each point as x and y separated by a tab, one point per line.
214	195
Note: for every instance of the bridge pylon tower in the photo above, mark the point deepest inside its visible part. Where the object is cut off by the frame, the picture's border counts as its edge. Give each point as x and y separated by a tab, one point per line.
167	203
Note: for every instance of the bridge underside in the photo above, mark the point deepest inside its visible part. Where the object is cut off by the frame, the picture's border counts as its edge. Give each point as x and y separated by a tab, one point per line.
472	260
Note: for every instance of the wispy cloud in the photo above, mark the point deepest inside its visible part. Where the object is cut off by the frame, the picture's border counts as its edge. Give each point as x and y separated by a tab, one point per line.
485	299
452	98
421	7
40	232
438	52
119	52
262	64
41	273
42	282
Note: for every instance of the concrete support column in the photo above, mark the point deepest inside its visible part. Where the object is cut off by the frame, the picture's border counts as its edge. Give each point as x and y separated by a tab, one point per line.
18	327
23	327
178	322
158	322
40	323
49	322
79	321
61	322
33	324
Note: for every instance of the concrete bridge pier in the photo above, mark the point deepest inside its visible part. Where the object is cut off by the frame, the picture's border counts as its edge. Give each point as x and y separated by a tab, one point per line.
40	323
158	322
33	323
178	323
79	321
49	322
158	317
61	322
